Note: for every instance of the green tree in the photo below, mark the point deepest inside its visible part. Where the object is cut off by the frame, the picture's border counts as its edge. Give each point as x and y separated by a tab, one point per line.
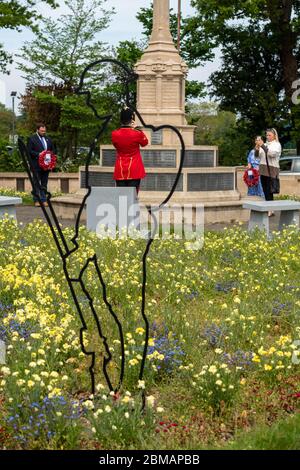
6	118
251	84
52	65
15	14
259	41
218	127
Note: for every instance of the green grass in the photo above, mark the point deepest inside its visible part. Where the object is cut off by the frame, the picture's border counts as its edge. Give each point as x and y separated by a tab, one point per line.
284	435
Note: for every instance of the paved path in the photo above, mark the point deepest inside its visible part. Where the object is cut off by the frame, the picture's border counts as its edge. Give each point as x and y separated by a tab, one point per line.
27	214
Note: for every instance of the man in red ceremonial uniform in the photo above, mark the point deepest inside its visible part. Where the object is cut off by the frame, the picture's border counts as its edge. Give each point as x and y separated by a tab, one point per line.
129	167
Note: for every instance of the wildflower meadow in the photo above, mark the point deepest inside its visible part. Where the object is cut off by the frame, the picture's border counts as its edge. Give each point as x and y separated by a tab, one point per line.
222	368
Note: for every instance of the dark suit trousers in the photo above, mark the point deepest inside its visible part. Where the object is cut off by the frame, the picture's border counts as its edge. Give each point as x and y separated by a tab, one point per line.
40	182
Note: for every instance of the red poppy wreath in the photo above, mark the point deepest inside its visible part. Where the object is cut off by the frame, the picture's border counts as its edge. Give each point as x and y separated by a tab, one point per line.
47	160
251	177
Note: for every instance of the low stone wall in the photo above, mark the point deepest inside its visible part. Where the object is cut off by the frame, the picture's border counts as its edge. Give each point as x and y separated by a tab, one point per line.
69	182
58	182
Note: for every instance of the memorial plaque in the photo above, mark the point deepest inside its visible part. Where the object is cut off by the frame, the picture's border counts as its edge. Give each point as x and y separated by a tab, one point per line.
157	137
152	182
109	157
199	158
159	158
161	182
211	181
97	179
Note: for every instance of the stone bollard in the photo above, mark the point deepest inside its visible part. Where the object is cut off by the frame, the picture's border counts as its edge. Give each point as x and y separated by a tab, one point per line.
2	352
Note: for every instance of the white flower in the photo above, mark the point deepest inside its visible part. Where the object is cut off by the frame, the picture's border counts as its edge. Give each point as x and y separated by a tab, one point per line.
212	369
99	387
141	384
127	415
160	409
88	404
5	370
53	374
150	400
107	409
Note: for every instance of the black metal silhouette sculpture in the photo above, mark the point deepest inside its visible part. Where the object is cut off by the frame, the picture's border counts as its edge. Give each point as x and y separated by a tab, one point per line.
65	252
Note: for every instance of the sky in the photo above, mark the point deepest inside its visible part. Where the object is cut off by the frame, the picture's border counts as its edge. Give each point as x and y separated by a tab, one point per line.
118	30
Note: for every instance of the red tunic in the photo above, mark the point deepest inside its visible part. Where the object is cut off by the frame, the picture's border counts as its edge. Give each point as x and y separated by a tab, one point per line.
129	163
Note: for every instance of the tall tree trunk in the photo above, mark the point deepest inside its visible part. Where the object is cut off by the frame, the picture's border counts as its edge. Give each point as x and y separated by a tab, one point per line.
280	13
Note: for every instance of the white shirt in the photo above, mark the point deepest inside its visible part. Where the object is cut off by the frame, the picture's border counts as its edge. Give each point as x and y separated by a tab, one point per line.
274	153
43	140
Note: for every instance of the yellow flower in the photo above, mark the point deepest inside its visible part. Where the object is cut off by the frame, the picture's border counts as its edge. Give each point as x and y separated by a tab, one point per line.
133	362
256	358
126	399
268	367
35	335
140	331
55	392
262	352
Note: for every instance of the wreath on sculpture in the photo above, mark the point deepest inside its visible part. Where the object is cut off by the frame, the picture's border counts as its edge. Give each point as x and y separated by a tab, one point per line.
251	177
47	160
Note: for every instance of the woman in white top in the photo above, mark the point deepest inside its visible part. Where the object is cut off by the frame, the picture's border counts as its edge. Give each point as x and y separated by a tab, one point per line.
271	149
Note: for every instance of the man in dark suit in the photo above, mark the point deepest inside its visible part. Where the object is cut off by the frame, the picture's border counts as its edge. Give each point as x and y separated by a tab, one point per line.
37	143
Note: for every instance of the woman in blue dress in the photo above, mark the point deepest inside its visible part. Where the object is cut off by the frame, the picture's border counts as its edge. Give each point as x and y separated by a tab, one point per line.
253	162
